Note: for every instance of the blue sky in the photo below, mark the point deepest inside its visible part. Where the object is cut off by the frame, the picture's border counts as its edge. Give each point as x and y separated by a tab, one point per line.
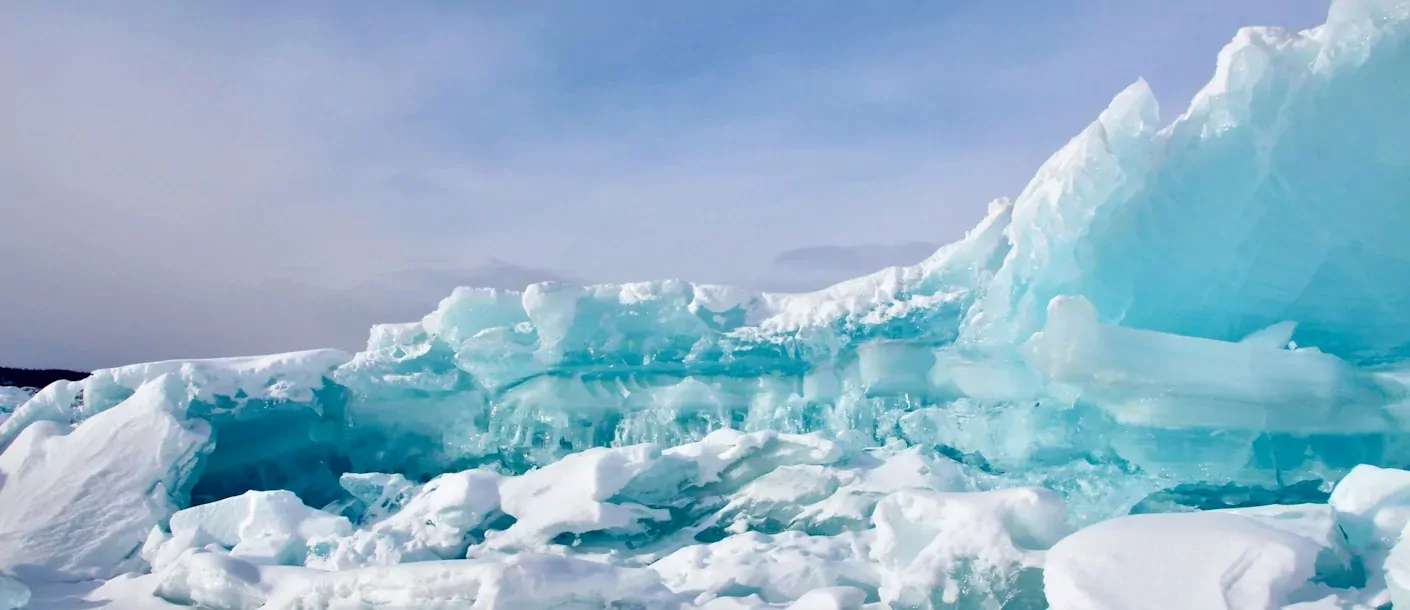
203	179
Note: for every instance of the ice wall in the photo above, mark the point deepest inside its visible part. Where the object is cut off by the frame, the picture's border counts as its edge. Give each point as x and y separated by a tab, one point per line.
1188	258
1256	206
1209	313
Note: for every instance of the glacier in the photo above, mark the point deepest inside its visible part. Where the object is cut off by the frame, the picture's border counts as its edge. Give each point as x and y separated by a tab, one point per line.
1173	372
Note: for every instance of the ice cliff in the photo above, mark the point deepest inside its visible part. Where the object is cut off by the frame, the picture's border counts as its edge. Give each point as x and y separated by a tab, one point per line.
1186	342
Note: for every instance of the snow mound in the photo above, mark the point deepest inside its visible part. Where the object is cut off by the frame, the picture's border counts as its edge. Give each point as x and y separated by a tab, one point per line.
1178	561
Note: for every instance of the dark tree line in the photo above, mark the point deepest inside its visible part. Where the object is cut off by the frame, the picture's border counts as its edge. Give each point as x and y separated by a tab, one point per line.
36	378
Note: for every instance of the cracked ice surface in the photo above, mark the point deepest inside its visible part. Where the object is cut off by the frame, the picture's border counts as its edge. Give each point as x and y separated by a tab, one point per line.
1171	373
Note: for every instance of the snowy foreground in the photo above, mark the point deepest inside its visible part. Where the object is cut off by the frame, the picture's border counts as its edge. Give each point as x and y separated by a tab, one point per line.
1174	373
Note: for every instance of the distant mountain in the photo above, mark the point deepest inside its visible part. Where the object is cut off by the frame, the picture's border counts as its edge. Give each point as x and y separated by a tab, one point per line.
817	267
36	378
858	259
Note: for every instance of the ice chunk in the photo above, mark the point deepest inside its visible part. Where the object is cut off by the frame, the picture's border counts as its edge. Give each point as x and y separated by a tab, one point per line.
211	580
1178	561
1372	506
1170	381
728	457
573	496
261	527
433	523
79	505
1277	336
860	489
12	397
445	509
13	593
377	494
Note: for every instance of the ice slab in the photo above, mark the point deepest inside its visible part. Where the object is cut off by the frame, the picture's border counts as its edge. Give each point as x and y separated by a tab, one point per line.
13	594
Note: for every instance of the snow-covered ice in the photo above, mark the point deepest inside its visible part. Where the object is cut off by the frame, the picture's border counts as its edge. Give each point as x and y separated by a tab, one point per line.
1178	561
1173	372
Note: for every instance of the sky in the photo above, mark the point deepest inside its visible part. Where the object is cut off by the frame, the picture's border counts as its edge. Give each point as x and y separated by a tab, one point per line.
182	180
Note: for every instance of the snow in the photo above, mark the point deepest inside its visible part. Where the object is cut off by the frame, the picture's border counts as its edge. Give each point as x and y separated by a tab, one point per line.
936	547
1178	561
1372	506
572	496
778	568
281	377
522	581
260	527
78	505
1207	317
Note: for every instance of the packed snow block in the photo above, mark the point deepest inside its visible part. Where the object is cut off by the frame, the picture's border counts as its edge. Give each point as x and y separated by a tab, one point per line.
574	496
859	489
778	568
1372	506
211	580
508	583
445	509
777	498
1336	565
78	505
1178	561
726	459
13	593
260	527
431	521
942	549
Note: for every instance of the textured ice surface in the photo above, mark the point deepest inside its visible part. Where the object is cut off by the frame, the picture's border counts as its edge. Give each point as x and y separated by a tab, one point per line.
12	397
1208	317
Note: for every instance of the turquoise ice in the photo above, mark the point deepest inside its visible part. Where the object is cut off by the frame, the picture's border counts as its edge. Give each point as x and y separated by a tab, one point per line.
1211	312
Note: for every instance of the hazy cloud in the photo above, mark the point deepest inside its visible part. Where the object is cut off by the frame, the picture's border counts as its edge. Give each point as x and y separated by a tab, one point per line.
195	179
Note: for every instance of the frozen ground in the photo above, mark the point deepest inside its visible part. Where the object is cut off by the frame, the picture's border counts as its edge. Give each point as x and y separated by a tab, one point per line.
1171	373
